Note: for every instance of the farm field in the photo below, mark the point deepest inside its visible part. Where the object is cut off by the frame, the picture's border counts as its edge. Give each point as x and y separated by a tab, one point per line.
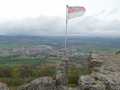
36	61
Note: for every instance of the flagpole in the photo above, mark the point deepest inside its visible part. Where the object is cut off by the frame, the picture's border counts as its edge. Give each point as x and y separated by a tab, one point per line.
66	30
65	43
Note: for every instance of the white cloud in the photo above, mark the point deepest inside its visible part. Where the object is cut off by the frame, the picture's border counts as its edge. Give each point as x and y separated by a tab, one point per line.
43	25
113	11
47	17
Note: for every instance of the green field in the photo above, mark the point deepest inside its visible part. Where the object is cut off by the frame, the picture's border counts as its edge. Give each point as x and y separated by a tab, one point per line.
112	49
16	63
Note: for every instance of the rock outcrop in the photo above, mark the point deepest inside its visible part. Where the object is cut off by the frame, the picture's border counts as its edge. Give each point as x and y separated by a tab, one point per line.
45	83
3	86
62	73
103	72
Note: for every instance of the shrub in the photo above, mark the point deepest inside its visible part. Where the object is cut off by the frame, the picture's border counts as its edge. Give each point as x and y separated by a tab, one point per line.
73	79
7	81
17	82
54	77
29	79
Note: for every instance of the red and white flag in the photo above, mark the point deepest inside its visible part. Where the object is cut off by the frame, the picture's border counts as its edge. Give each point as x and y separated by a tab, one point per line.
76	11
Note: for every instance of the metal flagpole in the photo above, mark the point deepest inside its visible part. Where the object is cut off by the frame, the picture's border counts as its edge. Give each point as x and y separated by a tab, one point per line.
66	29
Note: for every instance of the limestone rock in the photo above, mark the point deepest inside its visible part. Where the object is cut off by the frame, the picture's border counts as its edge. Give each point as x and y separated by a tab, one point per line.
3	86
103	72
62	73
117	52
45	83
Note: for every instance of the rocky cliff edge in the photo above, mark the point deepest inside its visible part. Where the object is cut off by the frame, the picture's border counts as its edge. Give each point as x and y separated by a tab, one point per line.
103	72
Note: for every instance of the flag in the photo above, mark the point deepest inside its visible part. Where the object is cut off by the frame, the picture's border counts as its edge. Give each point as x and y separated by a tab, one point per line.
76	11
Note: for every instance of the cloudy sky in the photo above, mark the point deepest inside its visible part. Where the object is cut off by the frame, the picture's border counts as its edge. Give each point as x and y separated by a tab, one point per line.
48	17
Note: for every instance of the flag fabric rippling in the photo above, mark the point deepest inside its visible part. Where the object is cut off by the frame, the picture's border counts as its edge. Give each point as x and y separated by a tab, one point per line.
76	11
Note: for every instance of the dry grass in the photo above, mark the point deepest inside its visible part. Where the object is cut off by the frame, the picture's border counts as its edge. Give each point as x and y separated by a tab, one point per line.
55	65
78	66
12	88
51	65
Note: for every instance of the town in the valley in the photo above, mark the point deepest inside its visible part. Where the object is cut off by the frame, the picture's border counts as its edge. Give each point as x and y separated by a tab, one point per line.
32	51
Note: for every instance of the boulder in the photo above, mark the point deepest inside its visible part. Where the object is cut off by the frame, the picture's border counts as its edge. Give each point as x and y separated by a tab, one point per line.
44	83
3	86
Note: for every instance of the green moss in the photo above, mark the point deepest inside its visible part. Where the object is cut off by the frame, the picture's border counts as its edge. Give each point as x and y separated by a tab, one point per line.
87	88
96	70
93	83
71	85
113	80
106	88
